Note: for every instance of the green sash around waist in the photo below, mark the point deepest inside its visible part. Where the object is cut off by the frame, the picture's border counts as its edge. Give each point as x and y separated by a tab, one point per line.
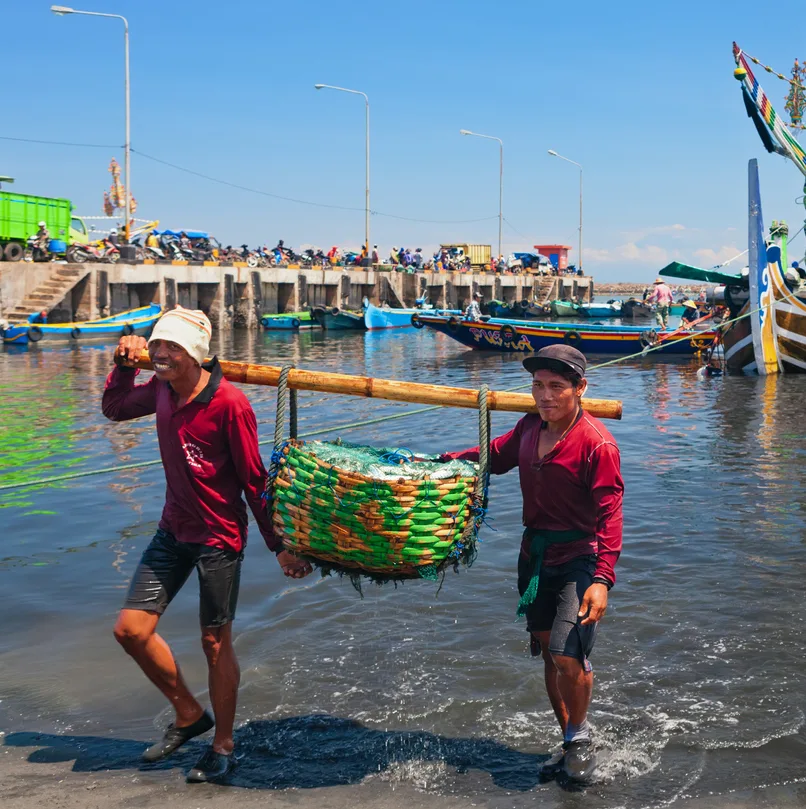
539	540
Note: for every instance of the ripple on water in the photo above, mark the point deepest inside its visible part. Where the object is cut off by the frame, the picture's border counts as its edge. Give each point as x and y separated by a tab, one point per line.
698	665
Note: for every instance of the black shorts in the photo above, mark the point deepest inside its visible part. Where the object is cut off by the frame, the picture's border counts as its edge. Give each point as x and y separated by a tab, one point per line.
165	566
555	609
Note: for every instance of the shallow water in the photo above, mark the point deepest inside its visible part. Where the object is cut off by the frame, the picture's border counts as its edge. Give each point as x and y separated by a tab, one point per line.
700	683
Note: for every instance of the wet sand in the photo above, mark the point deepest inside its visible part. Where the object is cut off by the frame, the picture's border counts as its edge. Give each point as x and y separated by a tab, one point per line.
29	780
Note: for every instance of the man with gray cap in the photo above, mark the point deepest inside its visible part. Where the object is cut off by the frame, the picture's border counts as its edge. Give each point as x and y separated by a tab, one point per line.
208	444
572	512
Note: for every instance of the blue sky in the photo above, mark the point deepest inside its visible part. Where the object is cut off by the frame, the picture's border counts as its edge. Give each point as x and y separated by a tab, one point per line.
641	94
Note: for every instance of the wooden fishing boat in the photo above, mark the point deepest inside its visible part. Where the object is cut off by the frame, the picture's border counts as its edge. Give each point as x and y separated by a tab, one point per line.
519	310
636	310
292	321
565	309
522	336
135	321
334	319
596	310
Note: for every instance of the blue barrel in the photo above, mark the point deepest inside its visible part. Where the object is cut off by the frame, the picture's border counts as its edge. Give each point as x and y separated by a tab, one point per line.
57	246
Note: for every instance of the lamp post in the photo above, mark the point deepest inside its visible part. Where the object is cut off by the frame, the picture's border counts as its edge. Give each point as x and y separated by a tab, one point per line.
366	202
61	11
500	182
554	154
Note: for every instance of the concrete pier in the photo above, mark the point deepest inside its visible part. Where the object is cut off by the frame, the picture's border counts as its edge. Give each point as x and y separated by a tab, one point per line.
237	296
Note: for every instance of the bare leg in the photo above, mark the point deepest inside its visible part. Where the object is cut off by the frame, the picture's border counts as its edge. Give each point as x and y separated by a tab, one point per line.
552	685
575	686
224	679
135	631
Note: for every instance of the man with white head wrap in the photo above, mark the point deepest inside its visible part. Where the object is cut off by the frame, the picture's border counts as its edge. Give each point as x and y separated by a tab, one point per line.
208	443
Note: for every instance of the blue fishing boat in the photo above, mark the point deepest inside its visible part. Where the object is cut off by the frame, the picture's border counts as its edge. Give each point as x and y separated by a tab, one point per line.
612	309
384	317
523	336
135	321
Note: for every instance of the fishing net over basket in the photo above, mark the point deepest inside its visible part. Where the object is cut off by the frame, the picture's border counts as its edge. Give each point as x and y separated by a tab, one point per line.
375	512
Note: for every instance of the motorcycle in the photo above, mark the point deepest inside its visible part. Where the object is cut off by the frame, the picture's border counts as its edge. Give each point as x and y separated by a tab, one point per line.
33	252
102	250
152	253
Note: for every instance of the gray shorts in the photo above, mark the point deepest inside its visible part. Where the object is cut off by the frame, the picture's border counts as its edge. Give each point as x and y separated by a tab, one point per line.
166	565
559	595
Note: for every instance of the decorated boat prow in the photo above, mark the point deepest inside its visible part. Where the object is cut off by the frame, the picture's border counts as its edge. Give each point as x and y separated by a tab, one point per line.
762	319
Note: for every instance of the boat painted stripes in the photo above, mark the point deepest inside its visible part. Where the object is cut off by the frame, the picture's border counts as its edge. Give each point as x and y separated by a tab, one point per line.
134	321
526	337
291	321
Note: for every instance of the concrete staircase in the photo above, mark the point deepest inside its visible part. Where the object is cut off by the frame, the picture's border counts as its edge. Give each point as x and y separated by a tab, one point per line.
544	290
49	293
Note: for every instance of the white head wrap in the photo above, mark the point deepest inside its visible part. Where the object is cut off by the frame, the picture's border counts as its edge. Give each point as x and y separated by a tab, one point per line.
189	328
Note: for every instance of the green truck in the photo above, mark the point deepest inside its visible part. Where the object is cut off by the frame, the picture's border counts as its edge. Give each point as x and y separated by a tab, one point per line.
20	215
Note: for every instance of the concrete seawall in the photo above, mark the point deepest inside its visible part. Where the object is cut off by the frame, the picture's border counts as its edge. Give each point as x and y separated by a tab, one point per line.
238	296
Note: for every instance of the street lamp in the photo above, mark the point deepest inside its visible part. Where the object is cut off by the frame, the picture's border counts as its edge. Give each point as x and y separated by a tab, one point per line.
500	182
127	181
554	154
366	204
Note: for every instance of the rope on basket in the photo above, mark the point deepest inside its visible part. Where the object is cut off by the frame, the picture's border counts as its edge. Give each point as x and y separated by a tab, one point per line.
279	424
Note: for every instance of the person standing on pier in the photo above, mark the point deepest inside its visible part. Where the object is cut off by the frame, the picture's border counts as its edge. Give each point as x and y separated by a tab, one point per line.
208	443
572	511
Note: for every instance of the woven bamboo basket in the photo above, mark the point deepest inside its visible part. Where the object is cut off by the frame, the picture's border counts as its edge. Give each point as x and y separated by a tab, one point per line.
377	525
387	529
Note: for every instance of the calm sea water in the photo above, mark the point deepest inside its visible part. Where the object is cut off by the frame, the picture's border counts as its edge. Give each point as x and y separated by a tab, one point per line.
700	681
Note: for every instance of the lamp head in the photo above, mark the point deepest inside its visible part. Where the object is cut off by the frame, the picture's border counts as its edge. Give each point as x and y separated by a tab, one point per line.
465	132
61	10
553	153
319	86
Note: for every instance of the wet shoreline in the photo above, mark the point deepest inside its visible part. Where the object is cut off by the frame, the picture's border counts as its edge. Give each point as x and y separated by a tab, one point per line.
406	696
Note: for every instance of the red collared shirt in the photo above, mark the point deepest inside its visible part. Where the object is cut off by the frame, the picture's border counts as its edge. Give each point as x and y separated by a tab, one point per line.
577	485
210	454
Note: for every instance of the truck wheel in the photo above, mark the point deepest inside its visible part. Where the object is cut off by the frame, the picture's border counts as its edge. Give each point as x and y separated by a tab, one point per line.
14	251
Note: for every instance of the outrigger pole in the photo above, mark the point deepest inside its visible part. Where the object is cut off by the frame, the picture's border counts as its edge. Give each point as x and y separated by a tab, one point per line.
393	390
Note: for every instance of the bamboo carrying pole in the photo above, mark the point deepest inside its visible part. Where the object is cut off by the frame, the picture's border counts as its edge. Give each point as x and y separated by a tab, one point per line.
396	391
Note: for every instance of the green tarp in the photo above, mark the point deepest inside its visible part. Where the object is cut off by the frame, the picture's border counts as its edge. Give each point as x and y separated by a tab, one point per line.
678	270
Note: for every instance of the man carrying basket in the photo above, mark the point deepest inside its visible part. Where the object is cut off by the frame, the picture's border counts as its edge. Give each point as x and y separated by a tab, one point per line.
572	510
208	443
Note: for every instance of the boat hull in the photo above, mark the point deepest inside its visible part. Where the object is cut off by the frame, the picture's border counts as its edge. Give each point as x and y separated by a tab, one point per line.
377	317
335	319
637	310
562	309
600	310
517	311
109	329
296	321
524	338
737	341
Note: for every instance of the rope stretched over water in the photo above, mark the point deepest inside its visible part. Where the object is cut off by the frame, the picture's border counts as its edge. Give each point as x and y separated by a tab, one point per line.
337	428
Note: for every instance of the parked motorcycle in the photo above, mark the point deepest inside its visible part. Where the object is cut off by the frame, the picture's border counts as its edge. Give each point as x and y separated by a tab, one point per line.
102	250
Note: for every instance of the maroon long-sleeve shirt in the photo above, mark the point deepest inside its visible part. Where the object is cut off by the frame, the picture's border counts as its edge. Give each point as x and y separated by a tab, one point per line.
577	486
210	453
